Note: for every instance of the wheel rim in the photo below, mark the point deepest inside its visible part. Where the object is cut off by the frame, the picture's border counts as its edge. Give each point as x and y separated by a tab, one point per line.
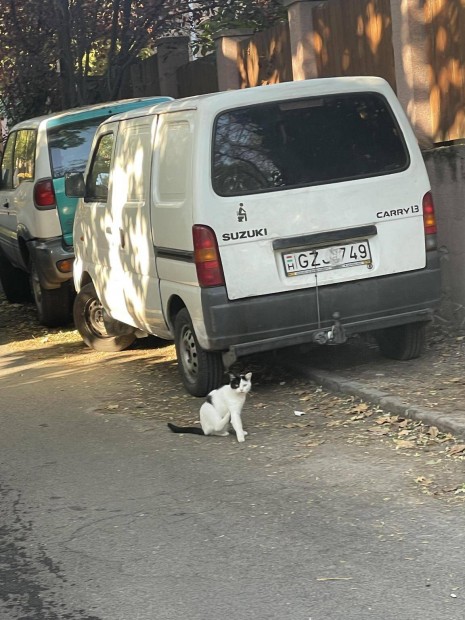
93	314
188	352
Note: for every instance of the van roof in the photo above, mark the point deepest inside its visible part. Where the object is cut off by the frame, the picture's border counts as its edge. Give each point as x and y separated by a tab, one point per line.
271	92
91	111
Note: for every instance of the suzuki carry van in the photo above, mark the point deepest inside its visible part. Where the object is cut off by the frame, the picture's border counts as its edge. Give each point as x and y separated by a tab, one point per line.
36	217
250	220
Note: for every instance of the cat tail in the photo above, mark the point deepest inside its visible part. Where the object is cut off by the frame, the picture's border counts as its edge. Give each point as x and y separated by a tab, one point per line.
185	429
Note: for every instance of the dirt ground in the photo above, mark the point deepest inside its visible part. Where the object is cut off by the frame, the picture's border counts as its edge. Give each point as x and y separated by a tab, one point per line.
436	380
281	404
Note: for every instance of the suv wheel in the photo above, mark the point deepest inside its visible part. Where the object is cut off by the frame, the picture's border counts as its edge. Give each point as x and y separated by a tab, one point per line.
15	283
52	305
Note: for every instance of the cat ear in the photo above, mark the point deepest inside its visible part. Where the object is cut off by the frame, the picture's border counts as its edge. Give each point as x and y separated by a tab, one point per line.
248	376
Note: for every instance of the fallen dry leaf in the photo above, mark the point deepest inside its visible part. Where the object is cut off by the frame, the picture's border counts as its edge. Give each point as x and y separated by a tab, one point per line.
335	423
458	449
405	443
360	416
361	408
378	430
385	419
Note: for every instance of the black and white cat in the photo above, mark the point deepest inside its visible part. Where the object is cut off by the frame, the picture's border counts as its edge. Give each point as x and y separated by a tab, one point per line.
222	407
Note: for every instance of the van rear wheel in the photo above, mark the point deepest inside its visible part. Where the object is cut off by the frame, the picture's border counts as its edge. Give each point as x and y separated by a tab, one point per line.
201	371
403	342
89	320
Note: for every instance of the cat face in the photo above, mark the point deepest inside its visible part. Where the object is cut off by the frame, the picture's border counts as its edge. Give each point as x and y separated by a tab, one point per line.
241	383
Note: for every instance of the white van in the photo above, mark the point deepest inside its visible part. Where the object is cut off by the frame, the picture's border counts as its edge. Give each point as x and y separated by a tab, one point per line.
250	220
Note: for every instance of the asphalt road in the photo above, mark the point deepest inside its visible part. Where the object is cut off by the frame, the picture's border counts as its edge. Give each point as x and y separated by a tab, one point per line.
106	515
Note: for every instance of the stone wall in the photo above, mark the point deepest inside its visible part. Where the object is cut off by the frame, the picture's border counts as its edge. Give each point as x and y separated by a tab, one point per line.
446	169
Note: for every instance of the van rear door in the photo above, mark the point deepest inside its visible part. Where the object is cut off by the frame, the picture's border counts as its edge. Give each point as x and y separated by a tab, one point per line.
316	191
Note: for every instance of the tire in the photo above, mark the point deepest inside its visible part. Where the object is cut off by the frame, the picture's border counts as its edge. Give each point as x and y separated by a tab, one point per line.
53	306
404	342
88	315
201	371
15	283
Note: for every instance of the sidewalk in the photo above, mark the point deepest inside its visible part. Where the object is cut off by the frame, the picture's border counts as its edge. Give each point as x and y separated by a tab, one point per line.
430	389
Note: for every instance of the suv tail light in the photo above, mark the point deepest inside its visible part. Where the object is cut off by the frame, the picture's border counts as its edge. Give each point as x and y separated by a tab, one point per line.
44	194
207	257
429	222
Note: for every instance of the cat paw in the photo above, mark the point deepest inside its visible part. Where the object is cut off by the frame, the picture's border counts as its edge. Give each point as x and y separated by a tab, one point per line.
240	439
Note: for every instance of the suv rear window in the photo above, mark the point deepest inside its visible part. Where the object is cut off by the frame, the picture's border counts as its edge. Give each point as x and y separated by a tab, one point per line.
70	146
305	142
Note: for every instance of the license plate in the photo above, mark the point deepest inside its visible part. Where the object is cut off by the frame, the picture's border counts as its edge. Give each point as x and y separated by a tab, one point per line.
325	259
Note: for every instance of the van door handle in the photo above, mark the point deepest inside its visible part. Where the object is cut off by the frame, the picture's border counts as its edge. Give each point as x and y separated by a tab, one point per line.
6	205
122	237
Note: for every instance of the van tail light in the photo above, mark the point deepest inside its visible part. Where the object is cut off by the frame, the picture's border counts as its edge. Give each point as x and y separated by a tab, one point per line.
207	257
44	194
429	222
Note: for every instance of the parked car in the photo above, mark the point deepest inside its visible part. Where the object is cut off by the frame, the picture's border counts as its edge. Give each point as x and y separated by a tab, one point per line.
249	220
36	217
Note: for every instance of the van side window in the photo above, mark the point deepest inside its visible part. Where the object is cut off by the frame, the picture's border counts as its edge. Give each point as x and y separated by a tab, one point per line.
18	158
99	173
132	161
174	161
302	142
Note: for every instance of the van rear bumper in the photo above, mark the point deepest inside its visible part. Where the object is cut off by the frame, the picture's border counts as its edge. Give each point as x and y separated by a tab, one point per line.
258	324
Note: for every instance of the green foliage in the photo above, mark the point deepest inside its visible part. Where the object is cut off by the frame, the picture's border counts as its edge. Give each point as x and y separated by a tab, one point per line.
237	14
59	54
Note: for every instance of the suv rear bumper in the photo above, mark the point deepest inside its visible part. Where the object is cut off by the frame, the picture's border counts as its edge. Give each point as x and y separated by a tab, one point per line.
47	254
269	322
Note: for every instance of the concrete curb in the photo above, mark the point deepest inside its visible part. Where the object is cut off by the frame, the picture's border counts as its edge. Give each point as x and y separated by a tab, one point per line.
446	423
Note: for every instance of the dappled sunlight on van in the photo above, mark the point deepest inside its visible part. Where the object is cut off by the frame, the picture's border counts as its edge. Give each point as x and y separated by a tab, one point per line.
310	197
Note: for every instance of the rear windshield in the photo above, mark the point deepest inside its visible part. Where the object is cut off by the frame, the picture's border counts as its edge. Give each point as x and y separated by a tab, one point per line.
70	145
305	142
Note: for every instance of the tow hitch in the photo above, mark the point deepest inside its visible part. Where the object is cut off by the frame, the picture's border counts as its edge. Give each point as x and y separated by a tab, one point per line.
334	335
